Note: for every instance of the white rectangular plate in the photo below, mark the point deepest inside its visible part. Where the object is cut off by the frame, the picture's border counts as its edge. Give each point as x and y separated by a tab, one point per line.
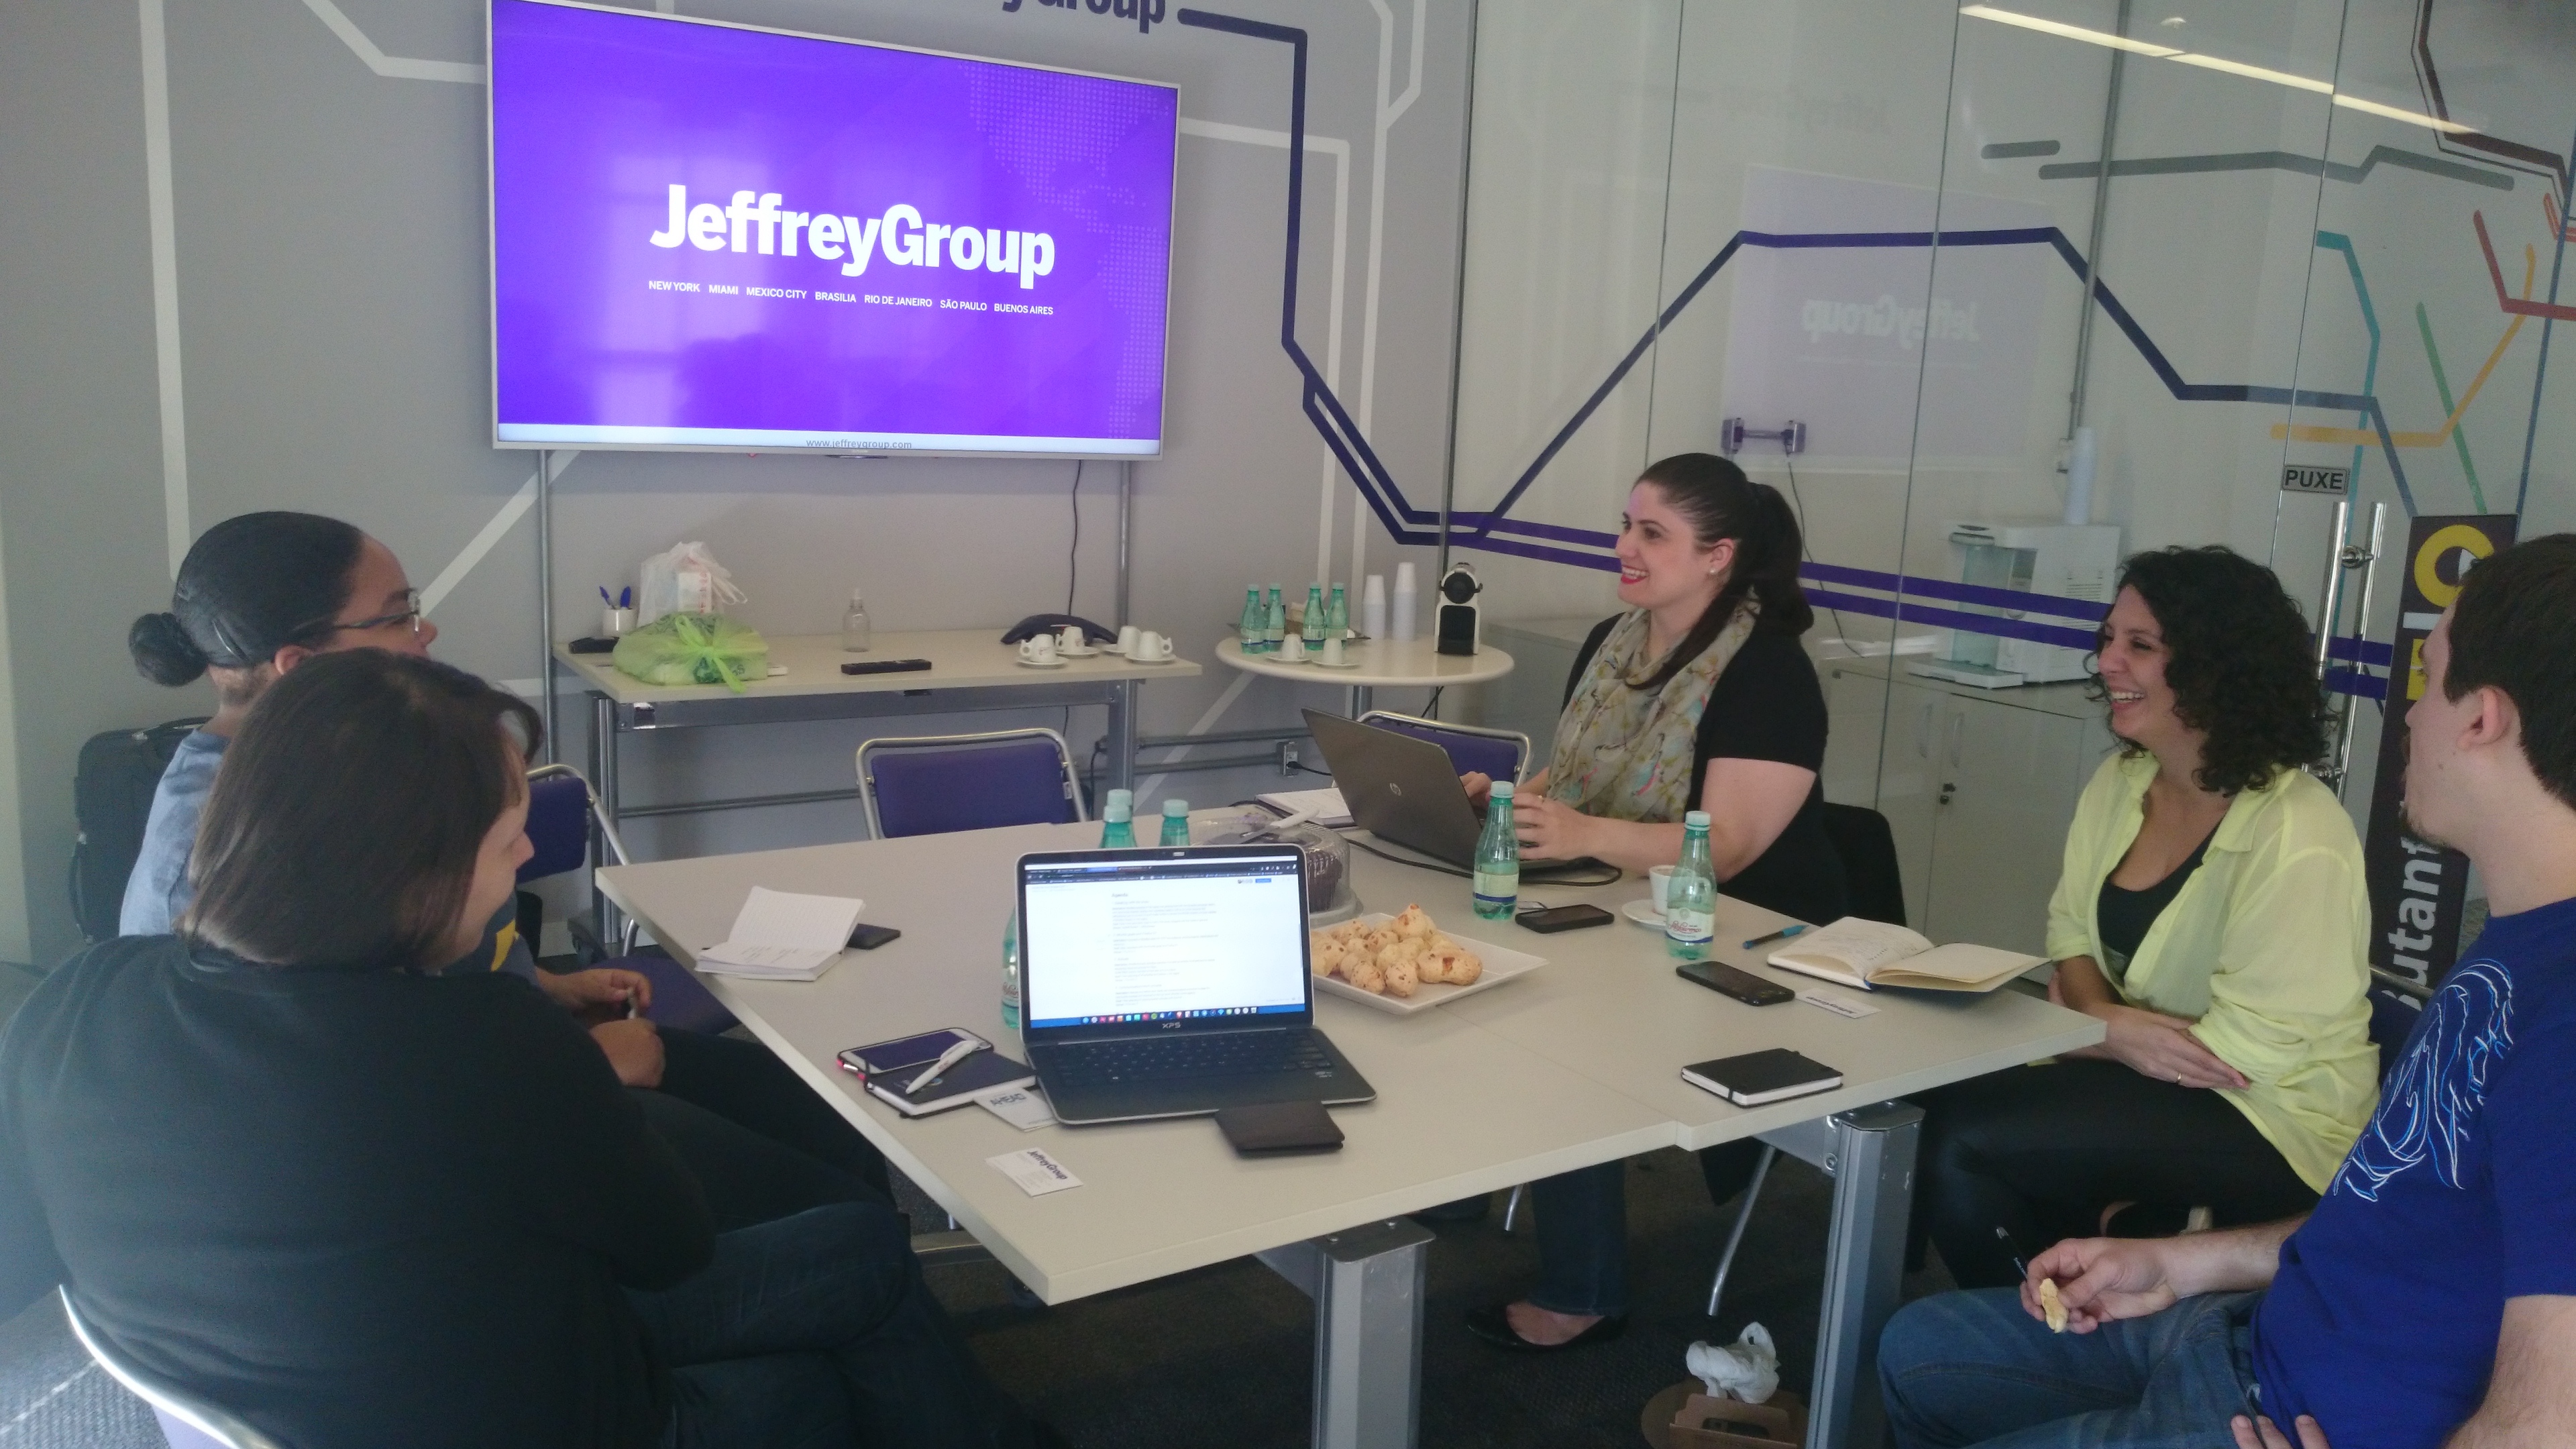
1501	964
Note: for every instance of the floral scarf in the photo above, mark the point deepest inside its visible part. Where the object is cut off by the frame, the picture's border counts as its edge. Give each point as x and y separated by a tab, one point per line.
1623	753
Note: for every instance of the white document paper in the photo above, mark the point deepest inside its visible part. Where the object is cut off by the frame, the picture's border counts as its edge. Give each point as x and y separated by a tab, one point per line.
1838	1005
1035	1172
1023	1107
782	936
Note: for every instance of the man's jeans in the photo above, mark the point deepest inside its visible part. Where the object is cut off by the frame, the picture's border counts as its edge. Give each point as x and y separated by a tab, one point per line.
1974	1368
816	1330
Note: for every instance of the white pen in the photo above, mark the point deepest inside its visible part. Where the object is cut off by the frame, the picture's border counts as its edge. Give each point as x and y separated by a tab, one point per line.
964	1048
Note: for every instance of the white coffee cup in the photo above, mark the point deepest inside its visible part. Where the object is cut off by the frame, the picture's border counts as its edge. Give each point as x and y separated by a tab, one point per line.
1070	639
1150	645
613	622
1333	653
1038	649
1127	639
1292	648
1660	879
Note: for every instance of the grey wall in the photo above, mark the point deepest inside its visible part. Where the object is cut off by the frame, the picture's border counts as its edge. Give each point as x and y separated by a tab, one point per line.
327	220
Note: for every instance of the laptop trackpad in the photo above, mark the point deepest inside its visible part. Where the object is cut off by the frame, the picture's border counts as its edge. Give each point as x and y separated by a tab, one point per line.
1273	1129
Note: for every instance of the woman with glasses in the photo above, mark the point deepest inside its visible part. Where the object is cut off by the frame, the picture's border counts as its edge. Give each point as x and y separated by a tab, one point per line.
2211	912
263	595
287	1161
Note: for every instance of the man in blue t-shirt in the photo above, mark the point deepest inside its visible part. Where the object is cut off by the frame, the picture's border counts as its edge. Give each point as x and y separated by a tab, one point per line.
2430	1299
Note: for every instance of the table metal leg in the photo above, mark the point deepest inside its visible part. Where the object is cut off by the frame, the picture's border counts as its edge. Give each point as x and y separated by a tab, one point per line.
1361	698
1872	1162
1367	1284
603	783
1122	737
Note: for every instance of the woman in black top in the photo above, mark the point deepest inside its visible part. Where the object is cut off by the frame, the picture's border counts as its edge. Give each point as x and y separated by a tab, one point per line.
285	1163
1698	698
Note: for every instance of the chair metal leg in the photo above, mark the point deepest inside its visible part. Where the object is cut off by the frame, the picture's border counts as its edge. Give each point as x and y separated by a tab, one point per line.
1512	1207
1743	1215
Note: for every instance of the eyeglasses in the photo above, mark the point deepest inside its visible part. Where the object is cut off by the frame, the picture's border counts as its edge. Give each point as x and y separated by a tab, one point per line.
409	611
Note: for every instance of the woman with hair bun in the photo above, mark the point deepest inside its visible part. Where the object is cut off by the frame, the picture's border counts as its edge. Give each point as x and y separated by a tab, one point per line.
257	595
1698	697
2211	911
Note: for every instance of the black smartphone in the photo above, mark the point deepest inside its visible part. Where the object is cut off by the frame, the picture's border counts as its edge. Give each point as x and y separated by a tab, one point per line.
885	666
1725	980
905	1052
1564	918
864	937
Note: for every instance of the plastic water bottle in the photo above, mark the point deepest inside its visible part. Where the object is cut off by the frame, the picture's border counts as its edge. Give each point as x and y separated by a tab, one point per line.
1313	628
854	625
1690	903
1176	823
1337	616
1255	619
1011	971
1498	858
1274	628
1117	830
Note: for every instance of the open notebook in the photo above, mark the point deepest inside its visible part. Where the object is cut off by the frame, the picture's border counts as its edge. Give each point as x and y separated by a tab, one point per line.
1869	954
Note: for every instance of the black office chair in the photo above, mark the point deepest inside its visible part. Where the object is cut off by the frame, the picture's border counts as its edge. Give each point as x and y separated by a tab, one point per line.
1868	848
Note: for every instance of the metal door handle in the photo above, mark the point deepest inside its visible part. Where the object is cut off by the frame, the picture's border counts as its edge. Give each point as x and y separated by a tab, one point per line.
1958	733
1923	732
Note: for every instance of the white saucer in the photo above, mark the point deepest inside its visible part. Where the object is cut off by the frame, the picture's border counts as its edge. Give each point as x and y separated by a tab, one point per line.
1063	653
1320	663
1041	663
1166	659
1644	913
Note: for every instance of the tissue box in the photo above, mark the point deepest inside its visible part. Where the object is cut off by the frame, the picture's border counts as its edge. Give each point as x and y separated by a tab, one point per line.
1685	1417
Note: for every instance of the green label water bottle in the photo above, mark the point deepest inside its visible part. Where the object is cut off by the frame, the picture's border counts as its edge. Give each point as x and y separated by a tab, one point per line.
1011	971
1498	858
1690	903
1274	627
1248	630
1337	616
1313	627
1117	828
1176	822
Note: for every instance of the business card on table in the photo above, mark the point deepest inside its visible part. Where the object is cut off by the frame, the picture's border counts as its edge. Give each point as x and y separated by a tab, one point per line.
1023	1107
1838	1005
1035	1172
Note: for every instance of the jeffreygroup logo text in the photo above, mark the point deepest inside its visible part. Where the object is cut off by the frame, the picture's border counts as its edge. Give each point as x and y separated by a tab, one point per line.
755	223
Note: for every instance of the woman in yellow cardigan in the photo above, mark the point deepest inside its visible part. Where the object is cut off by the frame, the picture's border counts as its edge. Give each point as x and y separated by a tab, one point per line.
2211	912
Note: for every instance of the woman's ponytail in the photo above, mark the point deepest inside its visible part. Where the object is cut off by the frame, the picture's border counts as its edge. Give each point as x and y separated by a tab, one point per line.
1721	503
163	652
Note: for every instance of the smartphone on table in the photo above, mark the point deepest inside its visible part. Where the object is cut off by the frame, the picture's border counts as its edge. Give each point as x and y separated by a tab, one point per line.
1725	980
911	1052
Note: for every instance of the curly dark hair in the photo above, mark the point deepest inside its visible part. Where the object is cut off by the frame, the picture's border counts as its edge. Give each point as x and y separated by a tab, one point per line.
2237	660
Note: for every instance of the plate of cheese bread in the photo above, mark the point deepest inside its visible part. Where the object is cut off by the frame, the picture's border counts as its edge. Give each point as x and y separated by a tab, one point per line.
1405	963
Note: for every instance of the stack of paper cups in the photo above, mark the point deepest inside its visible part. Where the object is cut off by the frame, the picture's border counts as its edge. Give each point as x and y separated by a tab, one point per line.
1373	607
1404	602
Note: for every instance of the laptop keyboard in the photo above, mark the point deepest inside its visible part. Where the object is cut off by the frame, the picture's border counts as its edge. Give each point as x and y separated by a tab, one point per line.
1184	1056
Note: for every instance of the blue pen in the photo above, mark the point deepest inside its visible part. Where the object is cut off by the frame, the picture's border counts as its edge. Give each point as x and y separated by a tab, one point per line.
626	597
604	598
1782	934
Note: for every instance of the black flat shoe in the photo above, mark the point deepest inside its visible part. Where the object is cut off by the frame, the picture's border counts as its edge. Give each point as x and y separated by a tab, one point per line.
1494	1326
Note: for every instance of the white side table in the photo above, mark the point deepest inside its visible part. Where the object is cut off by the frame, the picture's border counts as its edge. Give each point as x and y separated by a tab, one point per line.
1376	662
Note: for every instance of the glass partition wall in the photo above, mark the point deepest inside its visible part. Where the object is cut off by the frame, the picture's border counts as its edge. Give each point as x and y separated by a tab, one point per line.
1851	242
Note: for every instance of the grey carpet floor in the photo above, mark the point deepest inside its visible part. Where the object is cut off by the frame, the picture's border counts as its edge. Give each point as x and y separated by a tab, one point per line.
1224	1356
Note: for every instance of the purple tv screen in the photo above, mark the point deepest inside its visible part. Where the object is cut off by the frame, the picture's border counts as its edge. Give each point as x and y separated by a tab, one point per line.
705	236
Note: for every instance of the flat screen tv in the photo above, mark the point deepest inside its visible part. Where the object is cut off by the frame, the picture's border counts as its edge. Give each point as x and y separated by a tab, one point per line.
710	236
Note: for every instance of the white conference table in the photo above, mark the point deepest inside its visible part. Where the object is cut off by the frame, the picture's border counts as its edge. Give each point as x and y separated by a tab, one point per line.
1572	1066
1375	663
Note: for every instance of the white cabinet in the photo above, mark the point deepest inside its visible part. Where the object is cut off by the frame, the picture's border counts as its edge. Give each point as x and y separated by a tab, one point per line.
1978	788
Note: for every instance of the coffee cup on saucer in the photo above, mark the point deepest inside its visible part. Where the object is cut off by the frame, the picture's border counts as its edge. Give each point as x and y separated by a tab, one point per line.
1070	640
1292	650
1333	653
1150	647
1038	649
1660	880
1126	640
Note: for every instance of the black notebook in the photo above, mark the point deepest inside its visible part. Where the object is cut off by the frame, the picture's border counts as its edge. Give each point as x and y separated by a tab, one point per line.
983	1072
1765	1076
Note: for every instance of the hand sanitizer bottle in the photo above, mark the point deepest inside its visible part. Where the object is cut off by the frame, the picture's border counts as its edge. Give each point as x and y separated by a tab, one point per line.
854	625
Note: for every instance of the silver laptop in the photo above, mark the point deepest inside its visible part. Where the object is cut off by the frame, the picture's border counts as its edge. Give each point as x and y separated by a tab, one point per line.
1406	790
1172	982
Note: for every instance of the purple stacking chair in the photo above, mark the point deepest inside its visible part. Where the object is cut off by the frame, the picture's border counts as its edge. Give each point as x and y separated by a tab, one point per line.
187	1422
561	811
1496	754
933	784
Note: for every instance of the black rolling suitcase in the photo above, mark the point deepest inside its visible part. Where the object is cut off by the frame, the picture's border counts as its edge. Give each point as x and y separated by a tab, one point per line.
112	798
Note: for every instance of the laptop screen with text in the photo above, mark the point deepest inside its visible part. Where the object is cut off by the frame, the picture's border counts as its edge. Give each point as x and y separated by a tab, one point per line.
1152	939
